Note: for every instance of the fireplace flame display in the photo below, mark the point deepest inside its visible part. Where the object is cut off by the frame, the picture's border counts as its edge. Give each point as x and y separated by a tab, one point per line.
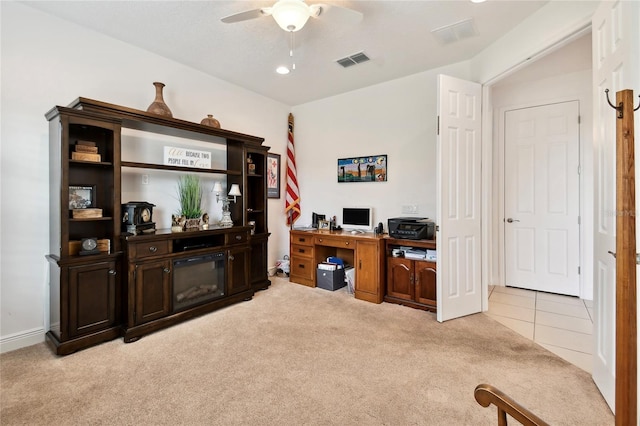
197	291
197	280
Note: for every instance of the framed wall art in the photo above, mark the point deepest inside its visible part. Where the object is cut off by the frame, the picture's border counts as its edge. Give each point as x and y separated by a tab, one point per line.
273	175
372	168
81	196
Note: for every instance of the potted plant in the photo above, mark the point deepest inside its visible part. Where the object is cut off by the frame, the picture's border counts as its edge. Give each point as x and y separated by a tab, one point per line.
190	197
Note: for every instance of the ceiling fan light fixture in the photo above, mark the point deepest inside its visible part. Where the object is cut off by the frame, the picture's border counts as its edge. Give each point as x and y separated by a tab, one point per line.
291	15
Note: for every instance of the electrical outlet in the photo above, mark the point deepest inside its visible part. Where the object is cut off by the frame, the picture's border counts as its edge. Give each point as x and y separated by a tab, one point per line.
410	209
145	179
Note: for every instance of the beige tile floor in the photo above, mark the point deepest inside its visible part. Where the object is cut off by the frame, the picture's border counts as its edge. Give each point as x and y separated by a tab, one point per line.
561	324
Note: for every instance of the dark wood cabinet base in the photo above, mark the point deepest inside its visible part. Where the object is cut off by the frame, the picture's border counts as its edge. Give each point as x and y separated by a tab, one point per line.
411	304
131	334
72	345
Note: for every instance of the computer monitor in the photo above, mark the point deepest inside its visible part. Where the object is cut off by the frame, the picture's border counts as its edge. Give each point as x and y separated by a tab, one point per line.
357	218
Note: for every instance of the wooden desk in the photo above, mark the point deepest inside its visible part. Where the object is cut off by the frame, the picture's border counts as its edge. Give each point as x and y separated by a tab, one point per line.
365	252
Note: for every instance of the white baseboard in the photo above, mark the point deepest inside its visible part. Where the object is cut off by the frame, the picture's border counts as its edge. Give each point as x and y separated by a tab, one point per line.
21	340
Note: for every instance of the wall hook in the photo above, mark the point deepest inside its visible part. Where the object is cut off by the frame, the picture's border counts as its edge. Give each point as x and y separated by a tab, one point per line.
619	107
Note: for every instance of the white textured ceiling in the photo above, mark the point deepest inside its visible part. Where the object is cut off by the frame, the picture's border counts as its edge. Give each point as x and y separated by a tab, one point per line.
396	35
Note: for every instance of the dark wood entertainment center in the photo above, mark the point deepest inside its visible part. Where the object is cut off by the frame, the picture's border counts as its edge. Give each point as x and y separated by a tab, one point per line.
125	289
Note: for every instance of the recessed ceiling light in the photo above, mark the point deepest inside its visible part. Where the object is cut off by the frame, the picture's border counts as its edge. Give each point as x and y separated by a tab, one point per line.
478	1
282	70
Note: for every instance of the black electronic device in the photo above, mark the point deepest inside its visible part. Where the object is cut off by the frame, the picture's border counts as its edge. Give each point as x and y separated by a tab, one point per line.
137	217
315	218
379	230
357	218
412	228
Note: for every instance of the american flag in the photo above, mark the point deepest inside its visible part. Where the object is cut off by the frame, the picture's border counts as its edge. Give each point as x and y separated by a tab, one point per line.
292	206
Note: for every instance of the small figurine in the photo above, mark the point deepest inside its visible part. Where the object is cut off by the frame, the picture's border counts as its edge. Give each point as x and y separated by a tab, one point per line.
177	223
205	221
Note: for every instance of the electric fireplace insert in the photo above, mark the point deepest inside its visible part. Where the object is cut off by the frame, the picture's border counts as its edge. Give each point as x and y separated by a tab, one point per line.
197	279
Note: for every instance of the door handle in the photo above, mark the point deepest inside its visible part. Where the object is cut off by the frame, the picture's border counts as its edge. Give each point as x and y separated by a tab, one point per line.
512	220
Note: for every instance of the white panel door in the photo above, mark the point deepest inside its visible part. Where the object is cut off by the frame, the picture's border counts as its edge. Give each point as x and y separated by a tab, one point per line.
542	239
616	47
458	210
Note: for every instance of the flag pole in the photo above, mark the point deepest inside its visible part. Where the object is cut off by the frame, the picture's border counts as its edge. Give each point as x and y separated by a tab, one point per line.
292	201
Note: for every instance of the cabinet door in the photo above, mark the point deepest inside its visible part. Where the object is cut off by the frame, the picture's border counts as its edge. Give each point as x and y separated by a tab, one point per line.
153	291
92	298
238	267
425	275
400	278
367	264
258	264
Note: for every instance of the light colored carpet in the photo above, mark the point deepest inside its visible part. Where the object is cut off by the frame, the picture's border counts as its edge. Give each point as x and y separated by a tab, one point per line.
299	356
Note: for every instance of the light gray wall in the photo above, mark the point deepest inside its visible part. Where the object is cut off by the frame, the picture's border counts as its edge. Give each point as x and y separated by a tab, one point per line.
397	118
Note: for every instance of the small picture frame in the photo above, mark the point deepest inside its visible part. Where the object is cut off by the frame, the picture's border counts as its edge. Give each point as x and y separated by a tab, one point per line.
324	225
273	175
81	196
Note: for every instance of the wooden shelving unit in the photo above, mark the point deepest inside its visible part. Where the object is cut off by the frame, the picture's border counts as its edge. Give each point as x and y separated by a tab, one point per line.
94	297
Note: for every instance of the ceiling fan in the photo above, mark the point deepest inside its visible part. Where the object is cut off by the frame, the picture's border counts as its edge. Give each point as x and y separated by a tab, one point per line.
292	15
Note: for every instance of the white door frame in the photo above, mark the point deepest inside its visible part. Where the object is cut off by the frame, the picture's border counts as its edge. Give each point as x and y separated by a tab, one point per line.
492	191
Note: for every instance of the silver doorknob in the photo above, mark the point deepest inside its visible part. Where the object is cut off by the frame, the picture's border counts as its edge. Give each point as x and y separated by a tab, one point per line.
512	220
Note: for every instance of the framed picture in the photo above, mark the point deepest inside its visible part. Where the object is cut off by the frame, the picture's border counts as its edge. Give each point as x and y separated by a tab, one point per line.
372	168
273	175
324	224
81	196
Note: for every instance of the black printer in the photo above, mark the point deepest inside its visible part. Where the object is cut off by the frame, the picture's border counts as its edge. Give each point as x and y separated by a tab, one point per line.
412	228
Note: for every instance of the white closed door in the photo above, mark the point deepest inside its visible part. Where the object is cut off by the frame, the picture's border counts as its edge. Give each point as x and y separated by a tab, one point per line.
542	187
458	240
615	44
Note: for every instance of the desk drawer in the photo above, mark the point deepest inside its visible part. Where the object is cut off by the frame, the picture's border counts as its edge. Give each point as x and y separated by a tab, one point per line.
302	240
237	237
340	242
301	251
302	267
147	249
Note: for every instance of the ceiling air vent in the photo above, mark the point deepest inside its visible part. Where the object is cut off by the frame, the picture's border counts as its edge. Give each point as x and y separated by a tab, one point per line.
356	58
454	32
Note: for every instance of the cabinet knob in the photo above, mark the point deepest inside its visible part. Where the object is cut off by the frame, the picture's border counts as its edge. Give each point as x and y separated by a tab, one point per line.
231	257
166	270
153	249
346	243
112	272
238	237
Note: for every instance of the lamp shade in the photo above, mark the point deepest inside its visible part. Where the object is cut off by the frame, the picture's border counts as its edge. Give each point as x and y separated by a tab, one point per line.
235	190
217	188
291	15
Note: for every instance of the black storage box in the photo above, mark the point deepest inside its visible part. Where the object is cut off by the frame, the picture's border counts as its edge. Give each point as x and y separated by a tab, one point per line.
330	280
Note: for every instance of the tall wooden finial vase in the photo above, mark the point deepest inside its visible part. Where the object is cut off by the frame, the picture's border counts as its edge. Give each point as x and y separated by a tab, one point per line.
158	106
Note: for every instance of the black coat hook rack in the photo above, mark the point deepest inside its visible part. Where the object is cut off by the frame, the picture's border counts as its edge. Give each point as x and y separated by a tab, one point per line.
619	107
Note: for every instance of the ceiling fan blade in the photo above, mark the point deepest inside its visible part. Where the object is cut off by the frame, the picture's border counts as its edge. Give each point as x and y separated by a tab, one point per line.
245	16
337	14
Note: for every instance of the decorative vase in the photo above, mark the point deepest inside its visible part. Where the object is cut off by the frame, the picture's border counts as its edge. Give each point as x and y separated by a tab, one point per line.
192	224
210	121
158	106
